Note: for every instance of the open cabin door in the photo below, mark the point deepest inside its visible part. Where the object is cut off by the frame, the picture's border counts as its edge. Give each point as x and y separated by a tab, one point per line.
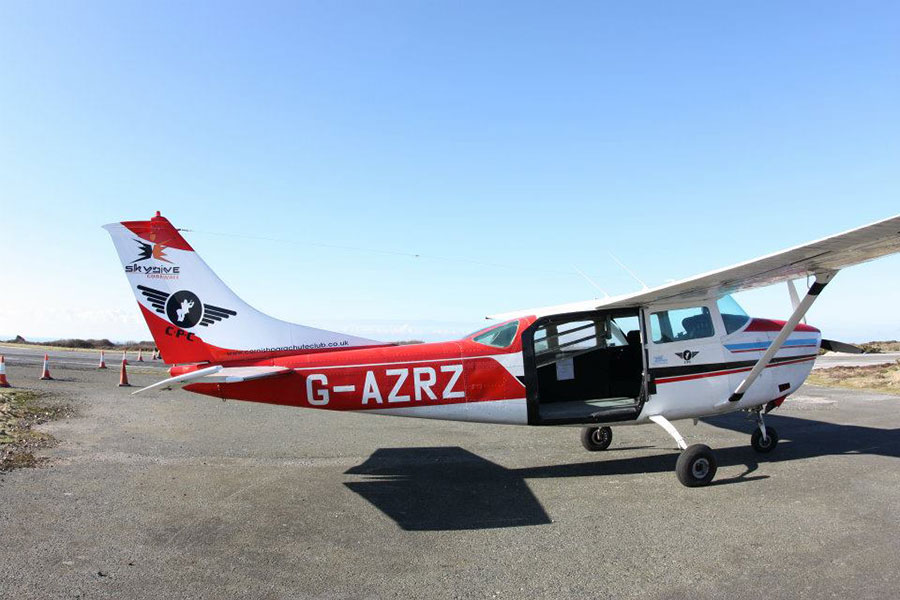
585	367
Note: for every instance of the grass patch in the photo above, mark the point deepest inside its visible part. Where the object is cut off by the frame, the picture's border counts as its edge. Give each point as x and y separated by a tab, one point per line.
20	411
875	378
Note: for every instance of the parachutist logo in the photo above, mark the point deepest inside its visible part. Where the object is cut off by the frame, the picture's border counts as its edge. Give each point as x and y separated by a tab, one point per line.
184	308
687	355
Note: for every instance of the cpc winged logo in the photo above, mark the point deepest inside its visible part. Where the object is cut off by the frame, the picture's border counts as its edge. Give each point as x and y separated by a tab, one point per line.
184	308
687	355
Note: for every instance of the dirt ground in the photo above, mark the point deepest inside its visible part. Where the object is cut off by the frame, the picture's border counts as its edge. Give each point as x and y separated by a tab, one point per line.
878	378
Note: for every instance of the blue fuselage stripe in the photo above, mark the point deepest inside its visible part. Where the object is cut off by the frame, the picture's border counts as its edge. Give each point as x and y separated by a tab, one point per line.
764	345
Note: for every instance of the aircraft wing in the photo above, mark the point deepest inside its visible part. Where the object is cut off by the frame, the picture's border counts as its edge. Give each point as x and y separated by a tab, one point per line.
828	254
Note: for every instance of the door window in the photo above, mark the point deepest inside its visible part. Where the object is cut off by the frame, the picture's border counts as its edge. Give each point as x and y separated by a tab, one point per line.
681	324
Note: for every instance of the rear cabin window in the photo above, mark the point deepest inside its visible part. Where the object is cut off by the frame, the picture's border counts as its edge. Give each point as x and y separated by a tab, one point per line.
681	324
584	336
501	336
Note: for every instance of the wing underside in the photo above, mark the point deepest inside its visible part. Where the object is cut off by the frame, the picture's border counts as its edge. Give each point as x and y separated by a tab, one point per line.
826	255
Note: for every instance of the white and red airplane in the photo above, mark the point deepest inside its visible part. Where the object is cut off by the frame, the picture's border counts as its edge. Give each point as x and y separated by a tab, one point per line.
683	350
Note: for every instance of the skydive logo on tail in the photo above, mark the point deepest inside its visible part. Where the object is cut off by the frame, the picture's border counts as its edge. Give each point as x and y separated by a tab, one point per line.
156	252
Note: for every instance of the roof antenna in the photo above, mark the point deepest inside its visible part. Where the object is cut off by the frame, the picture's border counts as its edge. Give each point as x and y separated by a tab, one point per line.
591	281
627	270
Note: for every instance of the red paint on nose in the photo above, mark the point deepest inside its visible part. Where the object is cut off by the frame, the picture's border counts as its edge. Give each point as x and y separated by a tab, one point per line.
775	325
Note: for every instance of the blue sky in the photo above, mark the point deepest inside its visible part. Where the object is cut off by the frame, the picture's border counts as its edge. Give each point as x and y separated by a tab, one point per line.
540	137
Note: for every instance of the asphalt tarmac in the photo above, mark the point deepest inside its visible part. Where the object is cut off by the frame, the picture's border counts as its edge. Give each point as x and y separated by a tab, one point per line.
173	495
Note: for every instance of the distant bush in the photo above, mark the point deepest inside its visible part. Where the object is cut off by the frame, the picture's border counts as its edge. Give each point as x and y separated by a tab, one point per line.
79	343
871	349
881	347
90	344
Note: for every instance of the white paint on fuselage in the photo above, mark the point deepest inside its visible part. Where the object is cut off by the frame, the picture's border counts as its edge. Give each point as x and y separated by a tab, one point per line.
503	412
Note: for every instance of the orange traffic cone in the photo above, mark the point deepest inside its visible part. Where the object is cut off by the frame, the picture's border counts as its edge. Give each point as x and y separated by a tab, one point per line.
45	376
102	364
123	376
140	355
3	382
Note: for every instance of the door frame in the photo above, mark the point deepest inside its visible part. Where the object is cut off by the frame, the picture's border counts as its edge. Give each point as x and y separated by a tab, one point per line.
532	395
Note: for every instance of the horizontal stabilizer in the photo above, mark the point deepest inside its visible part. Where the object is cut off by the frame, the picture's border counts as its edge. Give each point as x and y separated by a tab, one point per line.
236	374
836	346
218	374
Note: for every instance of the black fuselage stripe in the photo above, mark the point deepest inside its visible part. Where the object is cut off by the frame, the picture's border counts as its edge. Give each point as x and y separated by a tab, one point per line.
713	367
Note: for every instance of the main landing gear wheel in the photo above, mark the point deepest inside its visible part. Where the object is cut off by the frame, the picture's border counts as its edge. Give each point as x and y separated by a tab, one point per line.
767	444
595	439
696	466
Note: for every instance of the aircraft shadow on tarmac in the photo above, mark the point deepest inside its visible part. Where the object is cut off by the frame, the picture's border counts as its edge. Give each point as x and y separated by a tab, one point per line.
449	488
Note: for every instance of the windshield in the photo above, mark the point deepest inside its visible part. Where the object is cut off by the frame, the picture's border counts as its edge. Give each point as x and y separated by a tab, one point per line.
501	336
733	315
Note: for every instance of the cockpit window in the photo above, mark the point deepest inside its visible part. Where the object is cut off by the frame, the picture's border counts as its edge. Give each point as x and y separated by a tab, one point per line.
733	315
501	336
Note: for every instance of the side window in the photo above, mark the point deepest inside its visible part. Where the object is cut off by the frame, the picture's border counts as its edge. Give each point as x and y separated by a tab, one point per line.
566	337
557	341
624	331
681	324
501	336
578	336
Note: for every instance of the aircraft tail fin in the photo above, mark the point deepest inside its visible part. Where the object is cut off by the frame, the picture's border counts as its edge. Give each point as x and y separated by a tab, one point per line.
193	316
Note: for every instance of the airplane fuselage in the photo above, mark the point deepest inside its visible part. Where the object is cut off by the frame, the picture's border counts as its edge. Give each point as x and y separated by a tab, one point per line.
468	381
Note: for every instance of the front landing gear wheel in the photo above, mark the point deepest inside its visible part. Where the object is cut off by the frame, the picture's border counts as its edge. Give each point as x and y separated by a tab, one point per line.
595	439
696	466
764	445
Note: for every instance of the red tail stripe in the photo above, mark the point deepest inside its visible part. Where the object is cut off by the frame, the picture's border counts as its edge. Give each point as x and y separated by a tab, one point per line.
159	231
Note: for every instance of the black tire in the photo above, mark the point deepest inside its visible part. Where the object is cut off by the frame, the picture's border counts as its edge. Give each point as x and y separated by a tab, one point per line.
696	466
767	445
595	439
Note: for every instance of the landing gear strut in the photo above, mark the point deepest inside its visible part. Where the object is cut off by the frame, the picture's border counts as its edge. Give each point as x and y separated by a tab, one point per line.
595	439
696	465
764	439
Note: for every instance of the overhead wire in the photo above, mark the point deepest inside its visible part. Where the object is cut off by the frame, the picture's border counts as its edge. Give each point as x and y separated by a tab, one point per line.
389	252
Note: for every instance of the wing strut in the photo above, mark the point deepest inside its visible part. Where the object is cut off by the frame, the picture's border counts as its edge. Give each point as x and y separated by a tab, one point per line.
822	279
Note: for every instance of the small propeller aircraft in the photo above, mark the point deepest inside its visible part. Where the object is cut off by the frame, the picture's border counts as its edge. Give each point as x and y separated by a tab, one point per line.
683	350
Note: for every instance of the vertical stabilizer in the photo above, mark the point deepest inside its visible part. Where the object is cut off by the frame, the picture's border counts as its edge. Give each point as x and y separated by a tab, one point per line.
193	316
